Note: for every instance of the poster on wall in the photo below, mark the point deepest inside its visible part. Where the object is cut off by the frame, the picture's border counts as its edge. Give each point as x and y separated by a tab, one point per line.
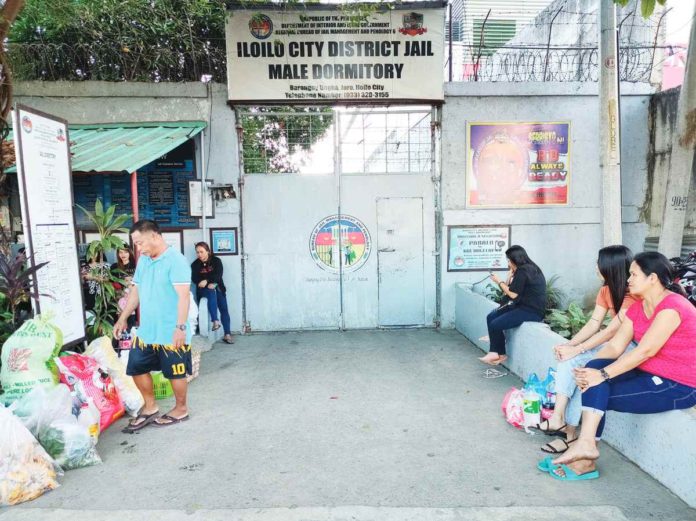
223	241
45	182
317	54
477	248
518	164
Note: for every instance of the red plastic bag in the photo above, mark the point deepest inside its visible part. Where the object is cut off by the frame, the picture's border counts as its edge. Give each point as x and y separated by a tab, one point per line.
84	377
512	407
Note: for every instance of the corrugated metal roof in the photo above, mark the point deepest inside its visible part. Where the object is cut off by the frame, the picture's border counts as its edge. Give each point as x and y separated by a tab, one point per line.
125	147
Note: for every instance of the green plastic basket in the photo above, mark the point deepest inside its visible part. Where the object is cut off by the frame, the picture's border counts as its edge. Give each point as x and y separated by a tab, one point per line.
162	386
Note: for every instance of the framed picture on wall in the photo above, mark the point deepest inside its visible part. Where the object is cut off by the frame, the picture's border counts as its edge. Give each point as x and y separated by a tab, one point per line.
223	241
477	248
175	239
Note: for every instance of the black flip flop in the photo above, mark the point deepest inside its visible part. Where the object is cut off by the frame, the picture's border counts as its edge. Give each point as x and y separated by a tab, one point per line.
133	426
170	420
552	450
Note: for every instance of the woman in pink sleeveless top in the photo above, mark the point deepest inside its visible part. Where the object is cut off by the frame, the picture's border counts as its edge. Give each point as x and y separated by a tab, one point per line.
659	375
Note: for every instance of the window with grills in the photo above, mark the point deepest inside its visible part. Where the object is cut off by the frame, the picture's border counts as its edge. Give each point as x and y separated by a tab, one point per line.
385	142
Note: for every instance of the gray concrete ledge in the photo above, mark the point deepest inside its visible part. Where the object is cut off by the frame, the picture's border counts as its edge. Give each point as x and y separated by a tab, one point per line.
341	513
661	444
113	89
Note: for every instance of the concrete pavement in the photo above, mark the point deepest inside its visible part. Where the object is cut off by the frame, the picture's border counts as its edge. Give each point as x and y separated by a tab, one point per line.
327	426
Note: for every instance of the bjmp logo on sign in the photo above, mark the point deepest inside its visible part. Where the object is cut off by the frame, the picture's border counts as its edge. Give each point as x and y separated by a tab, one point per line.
261	27
27	125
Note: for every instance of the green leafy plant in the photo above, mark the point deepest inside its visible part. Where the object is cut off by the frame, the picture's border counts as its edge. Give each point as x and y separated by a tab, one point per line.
107	224
16	288
567	323
555	296
494	293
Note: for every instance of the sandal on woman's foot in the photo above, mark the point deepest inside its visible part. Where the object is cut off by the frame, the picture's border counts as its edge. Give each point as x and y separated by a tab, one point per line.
216	325
570	475
551	432
560	448
140	421
545	465
228	339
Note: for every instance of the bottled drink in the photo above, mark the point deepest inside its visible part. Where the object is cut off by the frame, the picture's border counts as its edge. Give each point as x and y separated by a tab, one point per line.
531	407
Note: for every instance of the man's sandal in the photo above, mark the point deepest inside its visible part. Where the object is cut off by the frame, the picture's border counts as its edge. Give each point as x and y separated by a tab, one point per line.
169	420
550	449
140	421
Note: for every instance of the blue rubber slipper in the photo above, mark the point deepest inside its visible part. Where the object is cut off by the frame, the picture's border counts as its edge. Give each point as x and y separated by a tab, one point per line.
570	475
545	464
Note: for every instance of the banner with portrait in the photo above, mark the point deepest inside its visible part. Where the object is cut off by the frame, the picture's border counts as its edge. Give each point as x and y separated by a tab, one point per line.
518	164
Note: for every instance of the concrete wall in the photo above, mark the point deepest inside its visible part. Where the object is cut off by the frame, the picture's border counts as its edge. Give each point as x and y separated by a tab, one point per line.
662	126
562	240
106	102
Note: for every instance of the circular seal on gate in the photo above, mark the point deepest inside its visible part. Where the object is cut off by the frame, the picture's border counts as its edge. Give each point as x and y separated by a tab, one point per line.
334	244
260	26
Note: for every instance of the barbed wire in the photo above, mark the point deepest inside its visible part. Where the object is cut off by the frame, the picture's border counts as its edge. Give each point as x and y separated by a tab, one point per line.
116	62
561	65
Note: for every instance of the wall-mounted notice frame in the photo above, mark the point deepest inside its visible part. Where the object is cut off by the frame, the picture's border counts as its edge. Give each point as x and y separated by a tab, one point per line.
196	199
477	248
45	182
175	239
223	241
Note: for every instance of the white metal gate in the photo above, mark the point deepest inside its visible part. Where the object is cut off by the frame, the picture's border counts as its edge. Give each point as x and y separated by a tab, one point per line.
400	261
315	215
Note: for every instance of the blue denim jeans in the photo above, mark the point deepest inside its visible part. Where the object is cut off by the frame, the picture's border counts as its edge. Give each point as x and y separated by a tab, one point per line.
636	392
216	300
565	382
504	318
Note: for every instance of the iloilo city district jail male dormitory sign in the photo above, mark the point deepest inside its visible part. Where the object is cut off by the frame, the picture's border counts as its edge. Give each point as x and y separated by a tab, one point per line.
311	55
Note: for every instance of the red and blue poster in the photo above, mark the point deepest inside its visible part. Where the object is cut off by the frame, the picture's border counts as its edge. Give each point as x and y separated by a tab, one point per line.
518	164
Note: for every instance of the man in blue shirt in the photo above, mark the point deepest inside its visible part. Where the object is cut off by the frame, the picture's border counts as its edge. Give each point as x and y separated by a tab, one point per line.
161	286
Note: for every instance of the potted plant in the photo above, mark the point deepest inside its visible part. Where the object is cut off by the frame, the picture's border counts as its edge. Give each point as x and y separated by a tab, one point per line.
107	224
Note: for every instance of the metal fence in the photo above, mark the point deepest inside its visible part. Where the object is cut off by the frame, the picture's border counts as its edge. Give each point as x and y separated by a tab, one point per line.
112	61
532	55
564	64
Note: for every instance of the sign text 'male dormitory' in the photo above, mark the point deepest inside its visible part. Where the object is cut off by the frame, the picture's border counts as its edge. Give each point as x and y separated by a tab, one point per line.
335	49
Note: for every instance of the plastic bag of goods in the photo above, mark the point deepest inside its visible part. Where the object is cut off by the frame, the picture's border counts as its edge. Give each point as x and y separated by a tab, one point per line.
86	379
27	358
26	471
512	407
103	352
68	432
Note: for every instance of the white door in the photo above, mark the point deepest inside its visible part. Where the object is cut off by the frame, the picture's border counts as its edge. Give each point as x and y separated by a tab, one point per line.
400	261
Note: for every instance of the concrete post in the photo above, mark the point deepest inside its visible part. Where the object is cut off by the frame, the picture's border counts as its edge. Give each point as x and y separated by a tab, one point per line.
681	160
609	125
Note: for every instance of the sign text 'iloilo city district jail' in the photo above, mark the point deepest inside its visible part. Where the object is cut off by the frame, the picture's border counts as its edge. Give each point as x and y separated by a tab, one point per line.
322	56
